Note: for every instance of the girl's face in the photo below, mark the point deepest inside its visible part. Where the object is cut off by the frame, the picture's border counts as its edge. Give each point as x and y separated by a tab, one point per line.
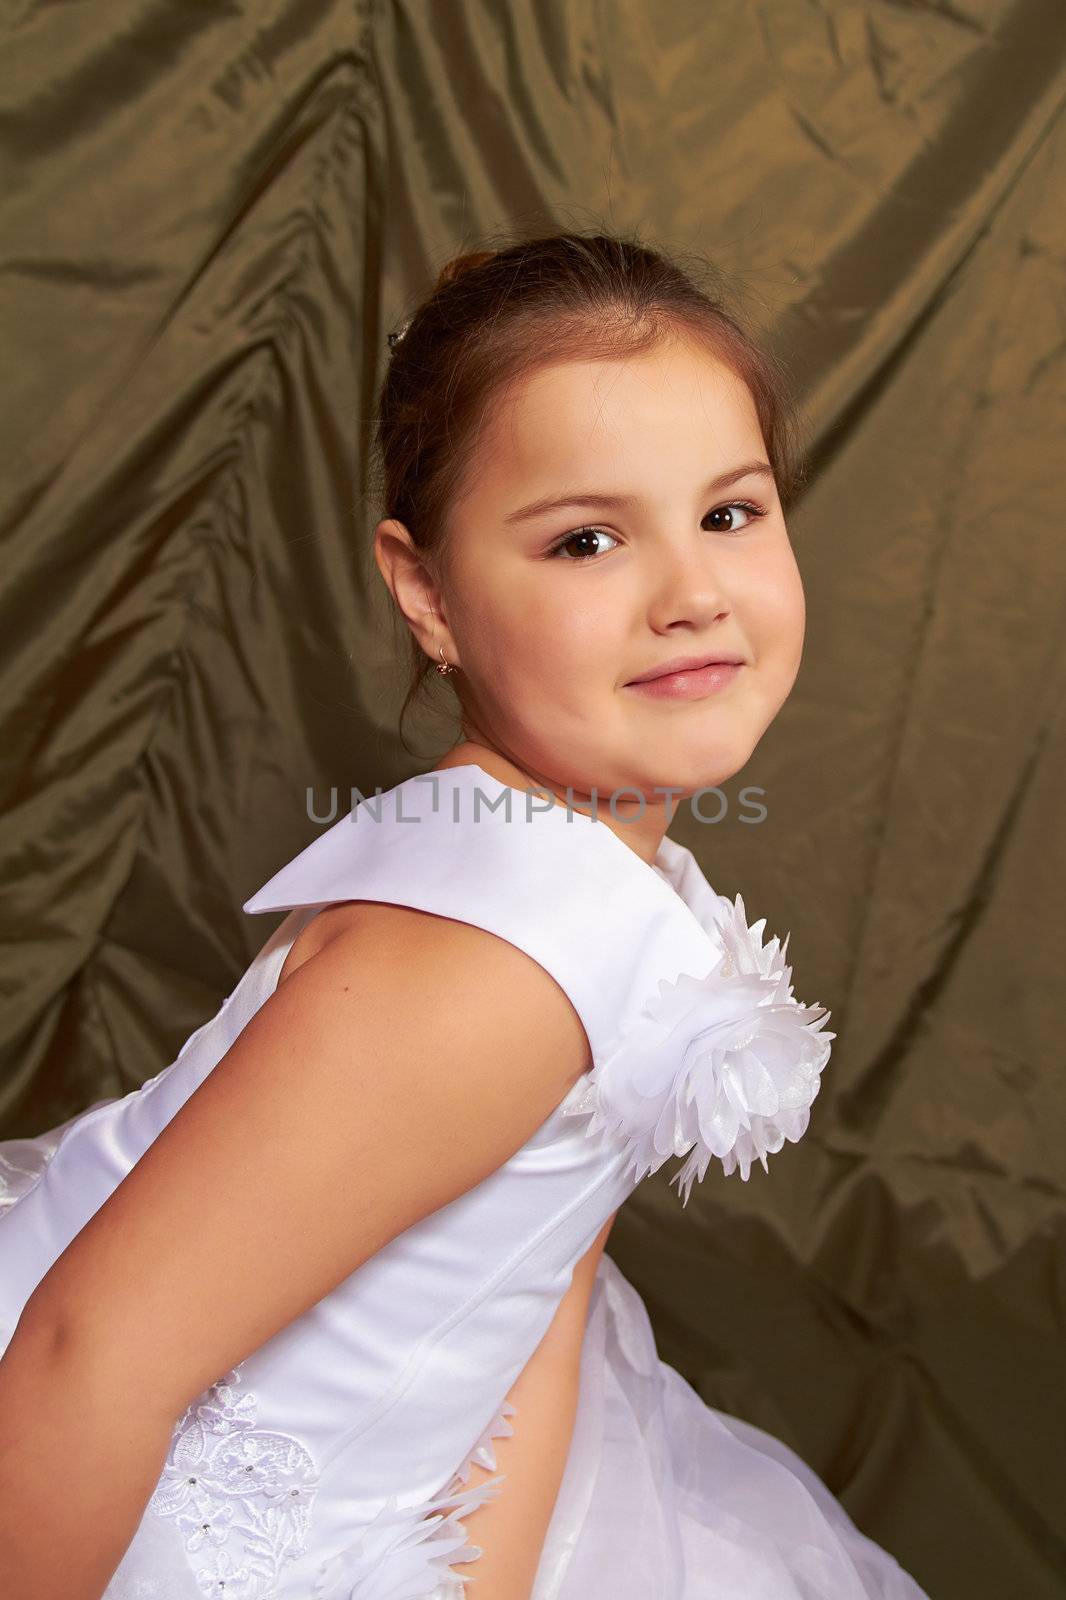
645	554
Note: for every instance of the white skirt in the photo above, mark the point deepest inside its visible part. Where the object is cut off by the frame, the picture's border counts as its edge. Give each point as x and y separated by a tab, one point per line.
663	1496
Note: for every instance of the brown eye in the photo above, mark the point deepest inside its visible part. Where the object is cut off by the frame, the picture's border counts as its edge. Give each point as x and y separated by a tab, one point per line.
746	506
587	536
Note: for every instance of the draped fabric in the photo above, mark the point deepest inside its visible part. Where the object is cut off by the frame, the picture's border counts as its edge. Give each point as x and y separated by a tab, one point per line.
211	217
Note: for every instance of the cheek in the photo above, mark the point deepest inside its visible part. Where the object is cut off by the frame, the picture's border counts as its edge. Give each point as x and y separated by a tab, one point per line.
777	610
548	630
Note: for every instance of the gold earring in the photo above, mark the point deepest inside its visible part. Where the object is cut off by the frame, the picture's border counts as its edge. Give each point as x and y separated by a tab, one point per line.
444	666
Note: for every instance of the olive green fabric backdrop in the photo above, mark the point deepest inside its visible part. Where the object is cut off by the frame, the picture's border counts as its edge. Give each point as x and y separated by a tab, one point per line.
212	215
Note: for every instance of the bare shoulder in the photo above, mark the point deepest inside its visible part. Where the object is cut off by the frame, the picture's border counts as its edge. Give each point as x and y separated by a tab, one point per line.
398	932
397	1066
325	925
479	978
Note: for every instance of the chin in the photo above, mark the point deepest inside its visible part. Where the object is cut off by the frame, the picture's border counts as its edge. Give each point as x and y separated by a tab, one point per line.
705	765
682	779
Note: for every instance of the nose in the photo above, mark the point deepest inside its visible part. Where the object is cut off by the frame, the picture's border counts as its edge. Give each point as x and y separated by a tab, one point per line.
685	582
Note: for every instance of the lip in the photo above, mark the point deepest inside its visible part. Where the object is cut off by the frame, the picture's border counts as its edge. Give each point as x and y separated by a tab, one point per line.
686	664
695	684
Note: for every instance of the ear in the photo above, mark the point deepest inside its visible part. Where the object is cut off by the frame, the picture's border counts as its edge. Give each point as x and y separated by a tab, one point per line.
413	587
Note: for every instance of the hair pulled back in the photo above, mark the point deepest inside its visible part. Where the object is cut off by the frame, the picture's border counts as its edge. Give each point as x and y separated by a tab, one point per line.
493	316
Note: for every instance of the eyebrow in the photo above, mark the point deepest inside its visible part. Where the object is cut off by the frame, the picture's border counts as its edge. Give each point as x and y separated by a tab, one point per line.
594	497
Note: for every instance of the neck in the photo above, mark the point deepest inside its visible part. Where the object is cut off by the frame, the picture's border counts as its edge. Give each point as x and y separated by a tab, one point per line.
641	830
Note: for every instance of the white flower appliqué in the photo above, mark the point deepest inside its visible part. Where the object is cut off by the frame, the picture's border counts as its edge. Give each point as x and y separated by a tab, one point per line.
238	1493
726	1065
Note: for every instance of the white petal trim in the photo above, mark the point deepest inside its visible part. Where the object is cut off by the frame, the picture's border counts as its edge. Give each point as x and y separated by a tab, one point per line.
484	1454
406	1553
726	1065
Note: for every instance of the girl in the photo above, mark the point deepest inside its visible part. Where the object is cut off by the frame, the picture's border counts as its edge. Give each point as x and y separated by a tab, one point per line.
326	1300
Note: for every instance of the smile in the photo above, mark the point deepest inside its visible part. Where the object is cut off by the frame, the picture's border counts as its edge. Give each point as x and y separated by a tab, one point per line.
690	685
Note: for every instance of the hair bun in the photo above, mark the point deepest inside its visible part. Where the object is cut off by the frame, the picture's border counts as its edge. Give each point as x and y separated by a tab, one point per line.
458	265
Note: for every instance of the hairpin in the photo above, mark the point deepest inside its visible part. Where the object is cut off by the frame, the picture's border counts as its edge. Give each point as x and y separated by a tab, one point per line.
397	333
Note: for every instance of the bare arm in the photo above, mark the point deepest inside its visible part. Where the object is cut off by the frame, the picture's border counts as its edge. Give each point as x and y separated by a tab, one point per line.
394	1070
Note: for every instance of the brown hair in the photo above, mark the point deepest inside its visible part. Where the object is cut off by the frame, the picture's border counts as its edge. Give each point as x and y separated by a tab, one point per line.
495	315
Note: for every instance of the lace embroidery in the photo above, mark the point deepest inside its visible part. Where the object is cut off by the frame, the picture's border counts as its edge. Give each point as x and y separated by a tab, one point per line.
241	1494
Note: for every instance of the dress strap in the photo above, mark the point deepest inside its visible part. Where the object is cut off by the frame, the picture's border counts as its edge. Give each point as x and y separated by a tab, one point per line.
549	879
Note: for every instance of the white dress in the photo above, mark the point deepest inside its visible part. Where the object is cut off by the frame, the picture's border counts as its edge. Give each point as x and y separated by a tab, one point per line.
333	1462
